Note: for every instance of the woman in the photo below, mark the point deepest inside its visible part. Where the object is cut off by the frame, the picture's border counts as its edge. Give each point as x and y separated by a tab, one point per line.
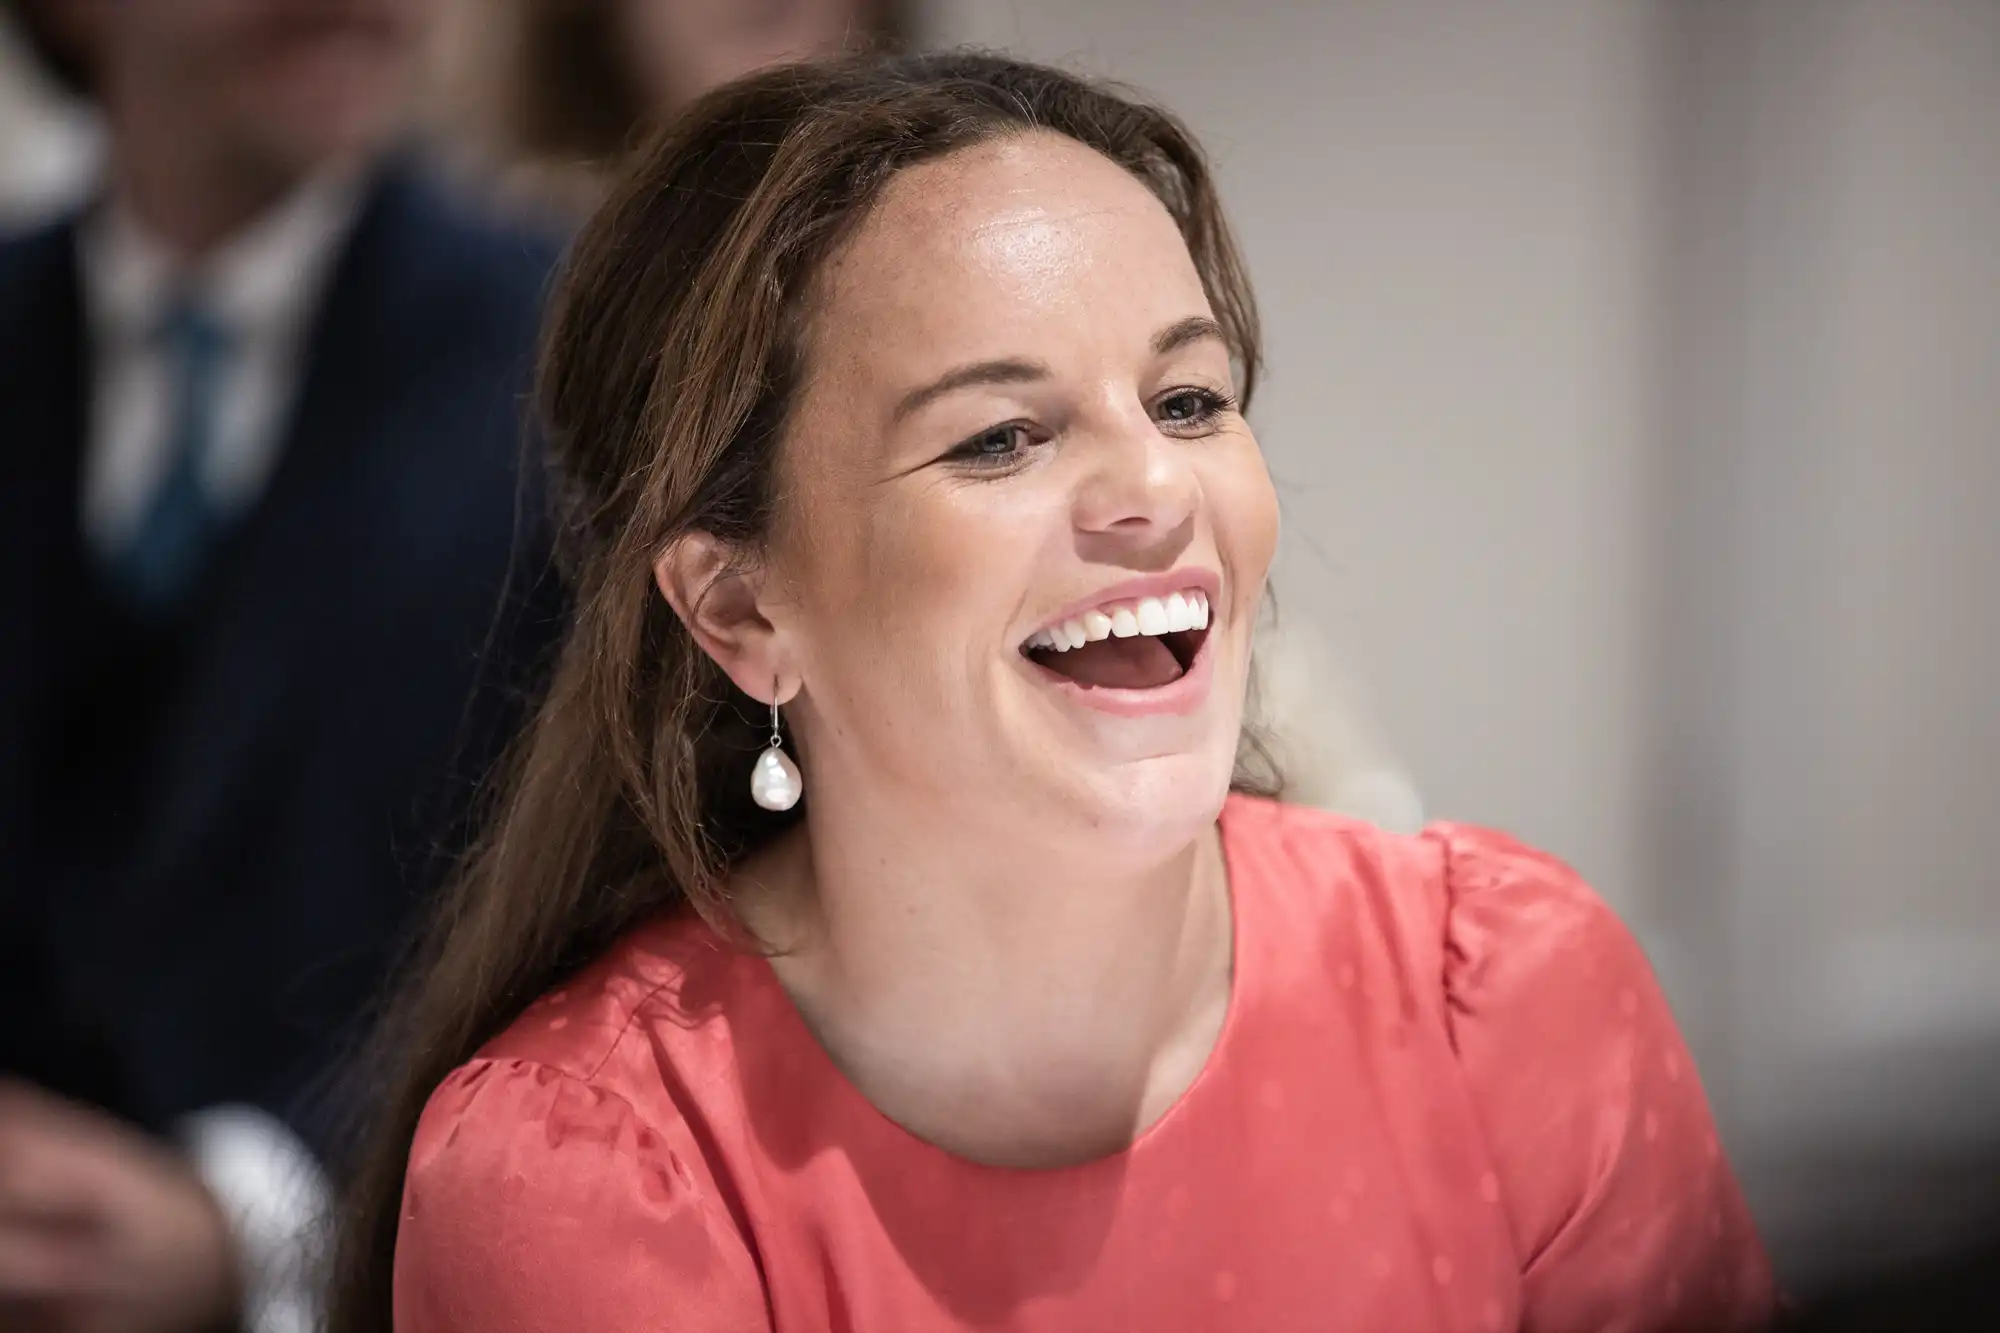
576	81
899	406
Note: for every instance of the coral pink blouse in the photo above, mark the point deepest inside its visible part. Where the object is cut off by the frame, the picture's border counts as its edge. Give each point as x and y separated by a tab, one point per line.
1448	1095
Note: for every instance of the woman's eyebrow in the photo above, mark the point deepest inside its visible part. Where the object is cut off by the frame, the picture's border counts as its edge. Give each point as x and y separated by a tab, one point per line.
1006	371
1019	370
1192	329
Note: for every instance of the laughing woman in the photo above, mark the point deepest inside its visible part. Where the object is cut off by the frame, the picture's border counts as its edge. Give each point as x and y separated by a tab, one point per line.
878	932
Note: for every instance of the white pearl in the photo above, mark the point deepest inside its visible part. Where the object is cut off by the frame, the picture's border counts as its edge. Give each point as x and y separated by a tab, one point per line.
774	781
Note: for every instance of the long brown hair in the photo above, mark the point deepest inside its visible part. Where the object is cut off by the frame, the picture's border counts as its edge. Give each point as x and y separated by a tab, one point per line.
669	364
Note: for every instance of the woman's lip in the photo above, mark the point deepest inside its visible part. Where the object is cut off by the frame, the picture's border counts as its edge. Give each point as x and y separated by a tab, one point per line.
1184	694
1153	585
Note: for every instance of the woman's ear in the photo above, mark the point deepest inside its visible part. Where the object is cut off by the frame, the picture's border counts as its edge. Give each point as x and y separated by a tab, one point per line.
715	593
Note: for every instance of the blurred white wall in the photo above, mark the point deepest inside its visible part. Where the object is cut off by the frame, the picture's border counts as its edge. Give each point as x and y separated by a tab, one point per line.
1868	625
1831	728
1635	393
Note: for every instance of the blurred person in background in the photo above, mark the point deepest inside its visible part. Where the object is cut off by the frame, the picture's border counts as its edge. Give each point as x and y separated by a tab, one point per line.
551	96
879	930
260	505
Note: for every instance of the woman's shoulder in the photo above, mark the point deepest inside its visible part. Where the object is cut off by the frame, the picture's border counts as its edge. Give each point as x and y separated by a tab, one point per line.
1503	944
586	1062
562	1140
672	970
1600	1140
1456	894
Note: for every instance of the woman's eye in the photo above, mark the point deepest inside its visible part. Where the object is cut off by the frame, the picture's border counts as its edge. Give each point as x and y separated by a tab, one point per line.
996	447
1182	410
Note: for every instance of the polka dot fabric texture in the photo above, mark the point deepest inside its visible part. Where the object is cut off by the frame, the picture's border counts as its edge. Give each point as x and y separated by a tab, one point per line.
1448	1095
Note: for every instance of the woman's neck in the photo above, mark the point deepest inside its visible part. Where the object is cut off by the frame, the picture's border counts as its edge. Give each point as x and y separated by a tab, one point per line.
1000	1007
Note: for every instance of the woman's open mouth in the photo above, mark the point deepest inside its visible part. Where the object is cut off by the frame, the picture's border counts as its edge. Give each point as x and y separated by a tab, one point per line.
1142	643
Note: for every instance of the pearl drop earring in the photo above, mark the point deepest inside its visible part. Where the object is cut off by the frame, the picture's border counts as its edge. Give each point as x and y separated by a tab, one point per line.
775	783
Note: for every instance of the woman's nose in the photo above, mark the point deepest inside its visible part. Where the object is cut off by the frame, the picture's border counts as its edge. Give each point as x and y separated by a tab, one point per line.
1137	481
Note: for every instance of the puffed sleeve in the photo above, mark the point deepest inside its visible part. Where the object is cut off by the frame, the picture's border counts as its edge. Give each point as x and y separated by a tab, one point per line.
538	1201
1625	1211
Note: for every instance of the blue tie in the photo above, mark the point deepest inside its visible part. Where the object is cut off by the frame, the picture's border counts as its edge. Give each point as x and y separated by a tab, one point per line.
164	557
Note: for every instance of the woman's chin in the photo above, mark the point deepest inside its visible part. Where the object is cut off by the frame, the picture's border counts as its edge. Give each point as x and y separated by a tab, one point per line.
1137	809
1141	781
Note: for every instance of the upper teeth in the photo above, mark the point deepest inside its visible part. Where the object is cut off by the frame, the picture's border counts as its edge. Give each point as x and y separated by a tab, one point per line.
1149	615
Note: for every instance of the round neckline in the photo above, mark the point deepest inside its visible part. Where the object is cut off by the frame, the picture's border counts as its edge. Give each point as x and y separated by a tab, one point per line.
797	1035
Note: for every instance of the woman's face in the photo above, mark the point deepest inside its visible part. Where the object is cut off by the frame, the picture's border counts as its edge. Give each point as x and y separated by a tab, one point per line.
1017	431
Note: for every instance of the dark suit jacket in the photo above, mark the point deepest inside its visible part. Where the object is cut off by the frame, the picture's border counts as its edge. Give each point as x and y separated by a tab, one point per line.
211	835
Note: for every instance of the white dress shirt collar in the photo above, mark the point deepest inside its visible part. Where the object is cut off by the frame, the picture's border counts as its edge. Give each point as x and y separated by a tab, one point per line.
263	282
264	287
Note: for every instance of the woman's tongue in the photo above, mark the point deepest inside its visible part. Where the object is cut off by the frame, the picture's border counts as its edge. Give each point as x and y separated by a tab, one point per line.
1142	662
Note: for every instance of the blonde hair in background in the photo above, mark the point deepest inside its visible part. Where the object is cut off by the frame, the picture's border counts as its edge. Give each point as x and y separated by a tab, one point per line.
1321	734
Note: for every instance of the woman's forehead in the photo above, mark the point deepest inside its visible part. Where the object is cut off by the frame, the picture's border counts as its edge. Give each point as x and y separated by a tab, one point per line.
1015	239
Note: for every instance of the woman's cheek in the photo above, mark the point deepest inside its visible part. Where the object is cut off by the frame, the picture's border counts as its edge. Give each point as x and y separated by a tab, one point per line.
1245	512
